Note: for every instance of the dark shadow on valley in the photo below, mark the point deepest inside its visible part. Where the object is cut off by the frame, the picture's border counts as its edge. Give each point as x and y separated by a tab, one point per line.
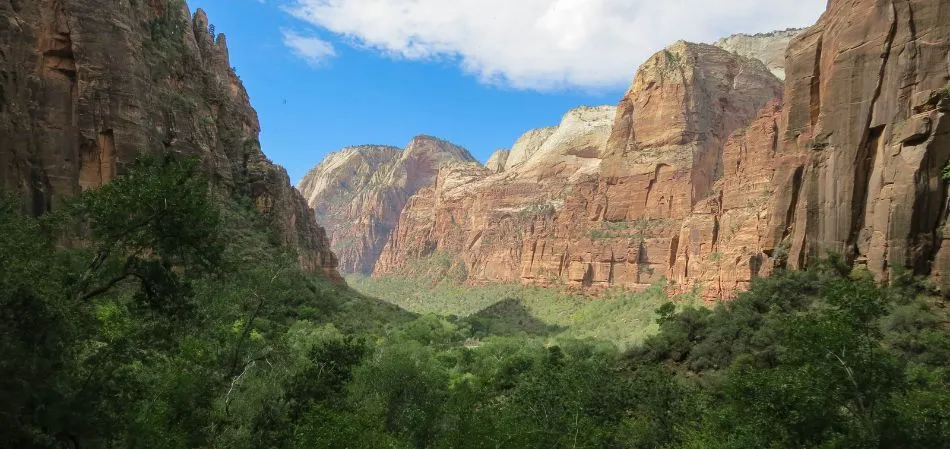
509	317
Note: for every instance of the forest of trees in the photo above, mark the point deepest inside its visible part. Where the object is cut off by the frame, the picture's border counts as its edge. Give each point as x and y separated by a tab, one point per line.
157	312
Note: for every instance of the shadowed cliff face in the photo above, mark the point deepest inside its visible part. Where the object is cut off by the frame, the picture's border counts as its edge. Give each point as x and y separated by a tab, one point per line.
358	193
87	85
712	175
865	112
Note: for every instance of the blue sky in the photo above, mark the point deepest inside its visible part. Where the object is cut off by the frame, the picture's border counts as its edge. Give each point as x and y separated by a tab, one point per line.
324	74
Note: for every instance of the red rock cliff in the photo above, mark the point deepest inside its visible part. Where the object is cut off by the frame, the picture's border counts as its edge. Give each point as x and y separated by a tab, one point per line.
87	85
601	199
709	178
866	106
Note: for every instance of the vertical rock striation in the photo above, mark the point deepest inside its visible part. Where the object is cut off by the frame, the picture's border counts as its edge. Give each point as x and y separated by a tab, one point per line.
866	110
88	85
711	172
496	163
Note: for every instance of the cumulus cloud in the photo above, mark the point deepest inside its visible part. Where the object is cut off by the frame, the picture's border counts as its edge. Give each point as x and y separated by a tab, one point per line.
309	48
542	44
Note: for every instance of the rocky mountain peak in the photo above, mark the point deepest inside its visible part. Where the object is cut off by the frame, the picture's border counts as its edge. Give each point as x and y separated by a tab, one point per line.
338	169
601	199
715	171
440	150
358	192
527	145
577	143
683	103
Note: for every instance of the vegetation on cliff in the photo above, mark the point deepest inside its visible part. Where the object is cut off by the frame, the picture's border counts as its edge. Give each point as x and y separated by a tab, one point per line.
163	328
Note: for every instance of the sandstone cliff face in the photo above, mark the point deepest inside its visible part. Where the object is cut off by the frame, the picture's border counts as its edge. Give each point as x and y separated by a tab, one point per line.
766	47
527	145
723	243
358	193
484	217
618	196
87	85
665	150
866	113
712	175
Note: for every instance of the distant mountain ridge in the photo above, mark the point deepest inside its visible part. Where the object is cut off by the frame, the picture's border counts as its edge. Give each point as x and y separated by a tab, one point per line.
358	193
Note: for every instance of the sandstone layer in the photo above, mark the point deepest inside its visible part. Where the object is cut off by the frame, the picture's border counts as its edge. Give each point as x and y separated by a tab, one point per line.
767	47
358	193
496	162
88	85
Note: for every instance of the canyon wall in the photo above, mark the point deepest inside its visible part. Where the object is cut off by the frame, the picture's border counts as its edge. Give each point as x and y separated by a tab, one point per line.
866	105
714	172
484	217
359	192
603	199
88	85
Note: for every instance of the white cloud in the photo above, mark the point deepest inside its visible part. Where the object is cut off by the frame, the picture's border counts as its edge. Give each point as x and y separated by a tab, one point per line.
310	48
541	44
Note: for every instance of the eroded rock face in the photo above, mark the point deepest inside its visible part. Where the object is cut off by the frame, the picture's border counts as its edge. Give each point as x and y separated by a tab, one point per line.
496	163
866	112
358	193
527	145
665	150
484	217
722	244
87	85
577	207
766	47
712	175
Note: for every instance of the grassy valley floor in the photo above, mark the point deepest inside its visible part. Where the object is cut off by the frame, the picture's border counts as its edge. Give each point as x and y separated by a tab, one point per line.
623	317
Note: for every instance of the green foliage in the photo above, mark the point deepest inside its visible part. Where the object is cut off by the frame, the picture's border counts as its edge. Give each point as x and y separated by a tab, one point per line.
176	101
439	267
544	210
134	318
622	317
673	61
155	224
812	359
